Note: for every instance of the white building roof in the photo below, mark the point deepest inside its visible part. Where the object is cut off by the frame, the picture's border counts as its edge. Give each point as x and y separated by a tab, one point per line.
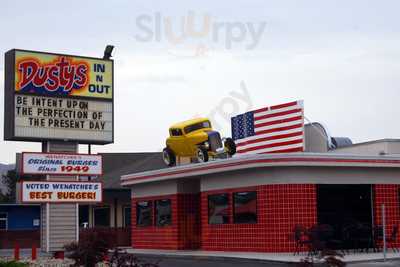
262	161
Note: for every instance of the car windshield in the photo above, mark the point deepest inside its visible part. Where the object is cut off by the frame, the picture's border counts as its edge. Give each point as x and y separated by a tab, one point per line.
197	126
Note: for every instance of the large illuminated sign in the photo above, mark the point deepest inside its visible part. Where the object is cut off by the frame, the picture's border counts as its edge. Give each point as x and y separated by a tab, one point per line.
58	97
61	75
62	118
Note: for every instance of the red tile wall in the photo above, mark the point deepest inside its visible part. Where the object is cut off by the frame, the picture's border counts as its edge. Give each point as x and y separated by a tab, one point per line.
280	208
188	221
183	233
388	195
155	237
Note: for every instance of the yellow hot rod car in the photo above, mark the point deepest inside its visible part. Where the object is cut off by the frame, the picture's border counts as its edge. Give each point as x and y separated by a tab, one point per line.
196	139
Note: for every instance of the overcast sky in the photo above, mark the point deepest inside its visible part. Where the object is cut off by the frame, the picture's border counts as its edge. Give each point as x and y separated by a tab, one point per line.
341	57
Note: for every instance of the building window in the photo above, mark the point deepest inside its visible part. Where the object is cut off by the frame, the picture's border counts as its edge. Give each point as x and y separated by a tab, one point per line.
127	216
163	212
144	213
3	221
245	207
101	216
218	206
83	215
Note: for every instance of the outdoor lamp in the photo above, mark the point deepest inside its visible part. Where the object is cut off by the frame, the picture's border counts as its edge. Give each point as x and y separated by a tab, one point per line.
108	51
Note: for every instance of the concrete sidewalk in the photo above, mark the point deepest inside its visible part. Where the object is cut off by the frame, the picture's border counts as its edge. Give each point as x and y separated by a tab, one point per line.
267	257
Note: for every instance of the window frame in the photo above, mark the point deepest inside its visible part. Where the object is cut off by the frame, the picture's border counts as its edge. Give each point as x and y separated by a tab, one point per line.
151	213
234	208
94	215
227	205
4	219
155	212
188	129
124	216
80	209
178	132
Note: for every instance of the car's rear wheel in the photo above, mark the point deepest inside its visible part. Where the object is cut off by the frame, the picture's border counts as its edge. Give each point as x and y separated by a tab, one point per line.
169	157
202	154
230	146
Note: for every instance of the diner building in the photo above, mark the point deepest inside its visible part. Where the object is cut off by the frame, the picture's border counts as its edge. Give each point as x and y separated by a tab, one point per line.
254	202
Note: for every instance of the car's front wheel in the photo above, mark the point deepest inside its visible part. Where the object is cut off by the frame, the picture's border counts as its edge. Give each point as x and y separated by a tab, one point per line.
230	146
169	157
202	154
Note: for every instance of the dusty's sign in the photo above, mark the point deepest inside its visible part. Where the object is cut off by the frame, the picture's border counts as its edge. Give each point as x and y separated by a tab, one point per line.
61	192
55	75
58	97
61	164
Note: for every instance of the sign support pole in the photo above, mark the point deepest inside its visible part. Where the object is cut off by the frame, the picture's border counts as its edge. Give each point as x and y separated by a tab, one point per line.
47	210
61	221
47	227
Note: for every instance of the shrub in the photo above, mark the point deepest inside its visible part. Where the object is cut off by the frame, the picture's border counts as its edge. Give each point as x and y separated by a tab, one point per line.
324	256
120	258
12	264
319	237
92	247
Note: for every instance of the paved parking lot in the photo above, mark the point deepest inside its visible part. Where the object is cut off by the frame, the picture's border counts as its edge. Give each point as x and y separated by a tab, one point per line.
224	262
180	262
171	261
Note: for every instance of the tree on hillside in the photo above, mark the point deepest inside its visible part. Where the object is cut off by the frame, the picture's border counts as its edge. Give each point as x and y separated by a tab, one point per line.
10	181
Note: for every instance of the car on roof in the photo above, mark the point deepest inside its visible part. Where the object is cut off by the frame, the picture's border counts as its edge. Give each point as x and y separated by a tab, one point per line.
197	140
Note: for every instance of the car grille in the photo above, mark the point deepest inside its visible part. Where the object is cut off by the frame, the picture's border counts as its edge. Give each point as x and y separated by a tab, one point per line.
215	140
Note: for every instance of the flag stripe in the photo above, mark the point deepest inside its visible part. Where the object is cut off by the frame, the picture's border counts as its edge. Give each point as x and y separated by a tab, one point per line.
256	136
256	115
290	104
270	142
281	113
297	118
272	149
298	149
285	143
278	118
278	129
269	138
279	125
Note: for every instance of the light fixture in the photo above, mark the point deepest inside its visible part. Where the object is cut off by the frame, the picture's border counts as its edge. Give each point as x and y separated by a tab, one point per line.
108	52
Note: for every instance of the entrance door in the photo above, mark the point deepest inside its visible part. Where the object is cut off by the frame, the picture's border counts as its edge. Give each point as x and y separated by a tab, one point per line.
347	208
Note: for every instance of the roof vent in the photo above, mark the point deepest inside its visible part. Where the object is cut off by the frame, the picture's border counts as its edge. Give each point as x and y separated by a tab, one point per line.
339	142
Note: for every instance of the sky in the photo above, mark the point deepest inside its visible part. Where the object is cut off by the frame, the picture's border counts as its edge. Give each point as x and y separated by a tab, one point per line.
175	60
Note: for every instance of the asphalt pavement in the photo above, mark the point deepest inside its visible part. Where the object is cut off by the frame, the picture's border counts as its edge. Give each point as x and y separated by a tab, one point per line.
171	261
203	262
